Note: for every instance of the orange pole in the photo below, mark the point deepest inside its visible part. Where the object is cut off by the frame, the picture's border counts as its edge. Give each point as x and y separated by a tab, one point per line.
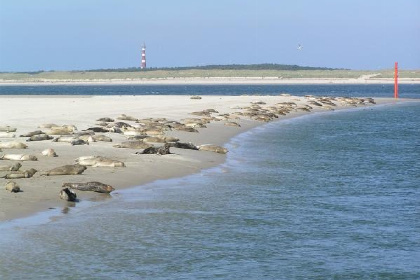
396	80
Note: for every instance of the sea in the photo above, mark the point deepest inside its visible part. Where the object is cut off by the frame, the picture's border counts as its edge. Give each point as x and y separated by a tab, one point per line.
331	195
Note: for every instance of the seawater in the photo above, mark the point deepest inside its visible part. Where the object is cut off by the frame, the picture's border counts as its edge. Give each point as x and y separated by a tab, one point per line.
325	196
352	90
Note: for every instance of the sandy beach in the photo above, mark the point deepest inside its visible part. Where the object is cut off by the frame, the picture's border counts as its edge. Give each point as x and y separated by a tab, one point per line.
217	119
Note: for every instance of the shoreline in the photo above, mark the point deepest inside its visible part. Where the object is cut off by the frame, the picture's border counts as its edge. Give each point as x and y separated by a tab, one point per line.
41	193
212	81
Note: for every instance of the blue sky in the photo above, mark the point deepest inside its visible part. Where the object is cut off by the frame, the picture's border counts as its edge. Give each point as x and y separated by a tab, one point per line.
91	34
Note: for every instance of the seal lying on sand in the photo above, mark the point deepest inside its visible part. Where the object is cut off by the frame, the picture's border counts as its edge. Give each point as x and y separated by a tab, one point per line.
49	153
13	145
182	145
164	150
7	134
7	128
19	174
13	167
39	137
74	169
19	157
68	195
90	186
213	148
133	145
98	161
32	133
12	187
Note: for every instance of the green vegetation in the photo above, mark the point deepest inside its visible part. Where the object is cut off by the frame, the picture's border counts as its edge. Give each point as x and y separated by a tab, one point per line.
258	70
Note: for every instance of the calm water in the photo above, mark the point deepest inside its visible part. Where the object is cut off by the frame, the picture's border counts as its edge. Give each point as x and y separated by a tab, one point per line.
405	90
330	196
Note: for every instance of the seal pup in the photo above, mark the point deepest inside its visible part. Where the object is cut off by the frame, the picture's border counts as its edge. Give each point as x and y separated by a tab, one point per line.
74	169
49	153
68	195
21	157
13	145
213	148
12	187
90	186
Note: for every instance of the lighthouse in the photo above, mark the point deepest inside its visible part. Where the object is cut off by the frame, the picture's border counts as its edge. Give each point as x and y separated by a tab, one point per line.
143	56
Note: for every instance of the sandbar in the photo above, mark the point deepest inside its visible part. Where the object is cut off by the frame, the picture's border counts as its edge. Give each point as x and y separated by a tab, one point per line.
40	193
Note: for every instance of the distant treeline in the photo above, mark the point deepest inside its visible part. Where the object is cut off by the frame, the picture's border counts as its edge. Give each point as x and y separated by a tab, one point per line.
266	66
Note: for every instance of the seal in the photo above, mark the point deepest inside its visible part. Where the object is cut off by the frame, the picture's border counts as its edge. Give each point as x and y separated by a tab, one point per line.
105	119
213	148
13	167
74	169
98	161
13	145
164	150
133	145
79	142
21	157
47	125
67	139
7	134
8	128
101	138
12	187
19	174
98	129
68	195
90	186
32	133
39	137
181	145
62	130
124	117
232	124
49	153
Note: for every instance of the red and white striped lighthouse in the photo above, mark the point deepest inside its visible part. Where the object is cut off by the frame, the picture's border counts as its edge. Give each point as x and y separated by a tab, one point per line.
143	57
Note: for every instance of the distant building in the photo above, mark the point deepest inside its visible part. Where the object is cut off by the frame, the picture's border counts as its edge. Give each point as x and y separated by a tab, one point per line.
143	57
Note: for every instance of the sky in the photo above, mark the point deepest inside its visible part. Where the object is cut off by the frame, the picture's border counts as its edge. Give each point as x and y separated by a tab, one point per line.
93	34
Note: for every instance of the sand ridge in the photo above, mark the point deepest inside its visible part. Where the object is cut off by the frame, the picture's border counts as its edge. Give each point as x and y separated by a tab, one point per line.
227	116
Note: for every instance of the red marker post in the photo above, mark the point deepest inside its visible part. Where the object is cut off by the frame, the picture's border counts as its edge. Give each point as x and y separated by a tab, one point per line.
396	80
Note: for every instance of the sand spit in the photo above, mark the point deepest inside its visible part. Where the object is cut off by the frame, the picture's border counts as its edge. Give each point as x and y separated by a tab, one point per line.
102	139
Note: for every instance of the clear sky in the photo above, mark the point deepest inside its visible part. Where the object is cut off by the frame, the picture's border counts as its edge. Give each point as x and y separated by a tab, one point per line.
91	34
